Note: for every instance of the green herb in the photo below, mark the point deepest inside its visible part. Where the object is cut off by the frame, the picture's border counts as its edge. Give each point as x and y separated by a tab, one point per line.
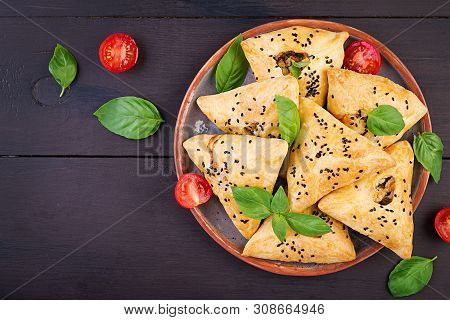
307	225
279	226
253	202
63	67
385	120
280	203
296	67
300	64
258	204
232	68
130	117
428	149
410	276
288	118
295	72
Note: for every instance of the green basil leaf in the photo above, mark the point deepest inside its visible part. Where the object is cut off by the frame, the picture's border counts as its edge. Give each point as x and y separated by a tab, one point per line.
280	203
410	276
300	64
295	71
307	225
232	68
130	117
296	67
428	149
253	202
288	118
63	67
385	120
279	226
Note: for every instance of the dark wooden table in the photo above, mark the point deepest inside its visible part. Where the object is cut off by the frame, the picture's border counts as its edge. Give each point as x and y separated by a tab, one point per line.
86	214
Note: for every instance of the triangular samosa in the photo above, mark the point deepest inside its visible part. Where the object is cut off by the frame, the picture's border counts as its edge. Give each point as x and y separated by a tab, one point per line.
271	54
332	247
237	160
379	206
327	156
352	95
250	109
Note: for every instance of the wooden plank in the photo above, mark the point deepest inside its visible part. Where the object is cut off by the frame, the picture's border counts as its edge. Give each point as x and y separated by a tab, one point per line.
36	122
205	8
50	206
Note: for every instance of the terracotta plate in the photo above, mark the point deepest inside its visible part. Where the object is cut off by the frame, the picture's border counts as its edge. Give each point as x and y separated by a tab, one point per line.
212	216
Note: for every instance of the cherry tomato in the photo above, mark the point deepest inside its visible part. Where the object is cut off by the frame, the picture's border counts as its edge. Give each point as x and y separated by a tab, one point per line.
442	224
118	52
191	190
362	57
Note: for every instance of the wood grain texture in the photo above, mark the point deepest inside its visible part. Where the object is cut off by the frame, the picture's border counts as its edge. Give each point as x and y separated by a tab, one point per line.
50	206
36	122
227	8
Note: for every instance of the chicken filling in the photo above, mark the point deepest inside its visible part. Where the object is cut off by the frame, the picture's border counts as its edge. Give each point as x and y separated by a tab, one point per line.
284	60
384	190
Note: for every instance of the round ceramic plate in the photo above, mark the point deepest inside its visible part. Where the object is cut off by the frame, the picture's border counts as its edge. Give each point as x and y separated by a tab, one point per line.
191	121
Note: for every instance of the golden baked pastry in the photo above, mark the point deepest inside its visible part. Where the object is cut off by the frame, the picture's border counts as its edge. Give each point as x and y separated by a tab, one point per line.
352	95
379	206
327	156
270	56
249	109
332	247
237	160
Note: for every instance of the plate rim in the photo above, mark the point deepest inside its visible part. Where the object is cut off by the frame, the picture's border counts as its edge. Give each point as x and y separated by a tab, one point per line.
279	267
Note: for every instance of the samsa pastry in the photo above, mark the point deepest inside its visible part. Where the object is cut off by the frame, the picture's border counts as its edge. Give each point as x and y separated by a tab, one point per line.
327	156
237	160
352	95
379	206
335	246
249	109
271	54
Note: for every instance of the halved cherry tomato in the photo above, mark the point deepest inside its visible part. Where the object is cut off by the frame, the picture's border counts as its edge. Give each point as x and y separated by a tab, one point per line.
362	57
442	224
118	52
192	190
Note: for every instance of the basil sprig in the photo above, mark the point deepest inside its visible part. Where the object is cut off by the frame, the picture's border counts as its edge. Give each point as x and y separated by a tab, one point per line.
259	204
288	118
254	202
385	120
280	202
428	149
279	226
307	225
63	67
296	67
410	276
130	117
232	68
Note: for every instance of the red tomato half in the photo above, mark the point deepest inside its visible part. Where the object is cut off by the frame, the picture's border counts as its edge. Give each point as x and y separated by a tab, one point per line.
442	224
362	57
191	190
118	52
